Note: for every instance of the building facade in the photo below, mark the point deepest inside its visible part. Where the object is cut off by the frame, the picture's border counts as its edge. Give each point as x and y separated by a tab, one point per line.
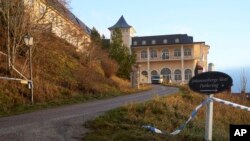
176	57
56	18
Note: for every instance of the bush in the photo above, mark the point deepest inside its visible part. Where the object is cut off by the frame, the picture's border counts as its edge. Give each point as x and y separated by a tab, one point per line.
109	67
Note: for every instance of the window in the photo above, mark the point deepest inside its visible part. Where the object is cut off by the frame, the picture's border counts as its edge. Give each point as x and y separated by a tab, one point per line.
177	52
165	41
135	43
177	40
153	53
30	2
42	9
188	74
153	42
144	42
59	22
165	54
144	54
154	73
166	73
144	73
52	17
177	75
187	52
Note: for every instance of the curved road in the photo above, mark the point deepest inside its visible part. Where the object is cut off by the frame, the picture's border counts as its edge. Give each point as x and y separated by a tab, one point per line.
66	123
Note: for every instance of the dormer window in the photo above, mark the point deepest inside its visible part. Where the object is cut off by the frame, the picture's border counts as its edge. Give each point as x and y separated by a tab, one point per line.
144	42
153	42
177	40
135	43
165	41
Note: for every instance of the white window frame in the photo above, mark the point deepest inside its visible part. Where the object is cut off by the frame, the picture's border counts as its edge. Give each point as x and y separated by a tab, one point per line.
153	53
187	52
177	40
135	43
165	41
165	54
177	75
188	74
177	52
154	73
144	73
144	54
166	76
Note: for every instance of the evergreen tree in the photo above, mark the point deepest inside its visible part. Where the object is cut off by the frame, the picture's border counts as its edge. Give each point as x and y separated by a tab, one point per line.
121	54
95	37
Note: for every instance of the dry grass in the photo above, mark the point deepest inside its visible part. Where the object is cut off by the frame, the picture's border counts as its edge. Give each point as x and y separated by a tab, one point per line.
125	85
168	113
59	73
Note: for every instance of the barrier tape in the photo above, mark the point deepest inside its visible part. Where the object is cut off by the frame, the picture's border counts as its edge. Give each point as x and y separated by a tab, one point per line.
235	105
193	114
178	130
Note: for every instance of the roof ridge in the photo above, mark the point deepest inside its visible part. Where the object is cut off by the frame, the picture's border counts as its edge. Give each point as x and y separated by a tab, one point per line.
162	35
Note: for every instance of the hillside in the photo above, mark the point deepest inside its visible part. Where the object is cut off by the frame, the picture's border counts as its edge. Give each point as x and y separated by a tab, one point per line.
167	114
59	72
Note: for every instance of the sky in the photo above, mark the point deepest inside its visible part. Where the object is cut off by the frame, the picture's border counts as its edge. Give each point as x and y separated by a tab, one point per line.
223	24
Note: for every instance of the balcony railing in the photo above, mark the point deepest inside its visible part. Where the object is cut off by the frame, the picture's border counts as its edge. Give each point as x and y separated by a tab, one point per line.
166	58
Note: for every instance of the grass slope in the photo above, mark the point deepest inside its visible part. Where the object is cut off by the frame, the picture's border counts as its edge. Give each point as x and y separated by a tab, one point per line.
167	113
61	76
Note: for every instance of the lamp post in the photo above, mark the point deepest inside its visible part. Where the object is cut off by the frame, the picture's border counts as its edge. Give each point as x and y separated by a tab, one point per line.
139	76
28	40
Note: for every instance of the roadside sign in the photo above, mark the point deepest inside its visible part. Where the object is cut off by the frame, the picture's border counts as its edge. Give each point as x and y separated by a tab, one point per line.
210	82
24	82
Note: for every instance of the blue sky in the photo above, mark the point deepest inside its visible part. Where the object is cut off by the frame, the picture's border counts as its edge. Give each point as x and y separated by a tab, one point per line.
222	24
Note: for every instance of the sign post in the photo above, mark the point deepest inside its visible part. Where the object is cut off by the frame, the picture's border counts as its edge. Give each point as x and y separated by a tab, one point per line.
209	120
210	83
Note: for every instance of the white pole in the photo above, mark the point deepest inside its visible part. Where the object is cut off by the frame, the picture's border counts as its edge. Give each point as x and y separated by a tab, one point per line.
209	113
148	65
209	120
182	65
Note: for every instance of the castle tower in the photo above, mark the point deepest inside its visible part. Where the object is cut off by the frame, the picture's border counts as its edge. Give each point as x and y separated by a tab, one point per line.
127	31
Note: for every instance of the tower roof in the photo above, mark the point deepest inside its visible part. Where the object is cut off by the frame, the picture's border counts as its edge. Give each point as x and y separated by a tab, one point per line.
121	23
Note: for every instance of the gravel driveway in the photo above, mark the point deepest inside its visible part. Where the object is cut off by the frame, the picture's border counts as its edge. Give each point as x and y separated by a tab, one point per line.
66	123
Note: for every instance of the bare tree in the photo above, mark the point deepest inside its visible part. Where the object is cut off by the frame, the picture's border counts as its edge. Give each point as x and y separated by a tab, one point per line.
17	20
14	22
243	81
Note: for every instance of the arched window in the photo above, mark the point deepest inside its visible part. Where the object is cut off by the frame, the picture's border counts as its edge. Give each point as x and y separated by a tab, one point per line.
153	53
144	73
188	74
177	52
144	42
166	73
177	40
154	73
165	54
153	42
144	54
177	74
187	52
